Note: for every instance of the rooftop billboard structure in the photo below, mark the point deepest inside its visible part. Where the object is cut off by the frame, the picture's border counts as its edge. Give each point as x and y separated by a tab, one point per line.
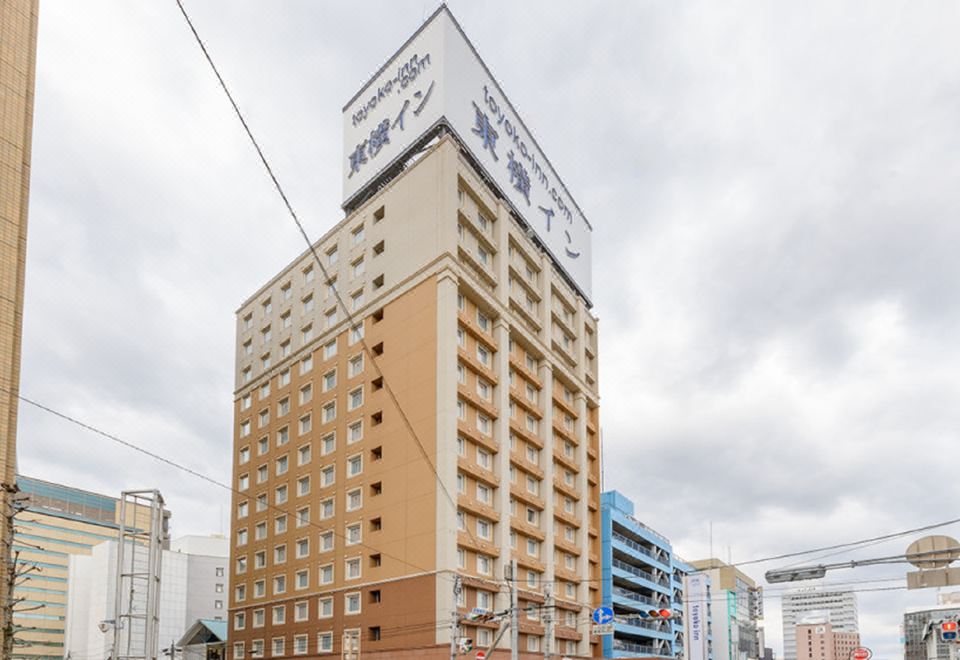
437	80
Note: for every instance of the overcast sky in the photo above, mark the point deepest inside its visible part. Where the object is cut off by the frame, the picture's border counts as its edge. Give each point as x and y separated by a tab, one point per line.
774	190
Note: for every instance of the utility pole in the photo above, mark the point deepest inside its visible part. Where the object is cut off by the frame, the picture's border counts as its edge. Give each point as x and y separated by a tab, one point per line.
514	613
455	619
548	620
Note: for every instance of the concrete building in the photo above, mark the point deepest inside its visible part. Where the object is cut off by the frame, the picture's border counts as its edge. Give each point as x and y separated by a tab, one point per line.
421	402
915	625
820	641
640	574
58	522
192	587
736	607
839	606
18	54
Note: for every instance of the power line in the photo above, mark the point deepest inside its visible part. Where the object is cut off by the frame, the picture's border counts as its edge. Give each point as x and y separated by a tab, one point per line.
200	475
884	537
313	251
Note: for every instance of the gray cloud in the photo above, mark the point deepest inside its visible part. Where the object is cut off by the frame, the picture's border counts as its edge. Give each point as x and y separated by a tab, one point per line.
774	195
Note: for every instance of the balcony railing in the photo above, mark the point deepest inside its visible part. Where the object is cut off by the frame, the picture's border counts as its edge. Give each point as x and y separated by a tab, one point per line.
642	649
639	622
639	572
639	548
630	595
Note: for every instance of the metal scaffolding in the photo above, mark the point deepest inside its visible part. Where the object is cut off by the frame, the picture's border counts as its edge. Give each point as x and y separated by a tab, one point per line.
143	531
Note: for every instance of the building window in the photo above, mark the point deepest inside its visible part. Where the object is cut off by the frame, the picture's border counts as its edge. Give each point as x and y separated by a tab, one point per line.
280	524
303	455
355	432
326	509
325	607
239	621
305	424
278	646
483	424
357	268
330	349
354	532
328	476
356	365
280	584
283	407
351	603
355	399
326	541
483	355
483	529
303	548
279	615
353	568
328	444
303	486
306	364
284	378
354	499
280	554
326	574
329	412
325	642
303	516
299	644
355	465
483	565
301	579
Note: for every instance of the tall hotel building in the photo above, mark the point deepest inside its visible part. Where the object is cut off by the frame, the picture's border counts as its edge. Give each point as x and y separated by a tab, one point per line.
418	408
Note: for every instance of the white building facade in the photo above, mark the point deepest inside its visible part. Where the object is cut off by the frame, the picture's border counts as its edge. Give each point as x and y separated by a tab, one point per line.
192	586
837	607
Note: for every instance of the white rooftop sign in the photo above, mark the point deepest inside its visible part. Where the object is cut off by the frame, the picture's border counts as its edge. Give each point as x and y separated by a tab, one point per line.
437	77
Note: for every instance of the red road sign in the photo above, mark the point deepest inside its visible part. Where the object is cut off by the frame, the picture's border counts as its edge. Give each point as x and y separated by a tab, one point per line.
861	653
481	655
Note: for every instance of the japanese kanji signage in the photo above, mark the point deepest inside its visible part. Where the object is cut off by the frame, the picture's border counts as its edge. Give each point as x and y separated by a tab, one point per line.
437	77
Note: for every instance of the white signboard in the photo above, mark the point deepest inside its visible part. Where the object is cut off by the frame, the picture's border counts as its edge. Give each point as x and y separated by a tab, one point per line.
695	615
437	77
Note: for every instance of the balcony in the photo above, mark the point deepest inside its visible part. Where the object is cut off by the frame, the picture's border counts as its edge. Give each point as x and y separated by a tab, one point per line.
630	543
640	649
620	592
639	572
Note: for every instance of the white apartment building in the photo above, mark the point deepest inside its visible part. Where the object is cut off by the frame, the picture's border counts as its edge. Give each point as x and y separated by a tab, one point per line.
193	585
840	608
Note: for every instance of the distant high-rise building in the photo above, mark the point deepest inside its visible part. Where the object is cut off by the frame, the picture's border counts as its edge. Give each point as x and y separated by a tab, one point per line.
915	622
193	585
820	641
59	522
425	412
839	606
18	36
736	607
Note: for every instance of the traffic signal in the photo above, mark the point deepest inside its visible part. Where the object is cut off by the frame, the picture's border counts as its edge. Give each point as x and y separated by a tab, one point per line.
465	644
948	631
657	614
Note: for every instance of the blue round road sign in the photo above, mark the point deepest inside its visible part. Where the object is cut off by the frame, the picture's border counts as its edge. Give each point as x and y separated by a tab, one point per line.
602	615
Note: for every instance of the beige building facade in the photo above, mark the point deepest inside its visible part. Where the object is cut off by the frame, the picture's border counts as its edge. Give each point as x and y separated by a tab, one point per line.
18	47
449	426
821	641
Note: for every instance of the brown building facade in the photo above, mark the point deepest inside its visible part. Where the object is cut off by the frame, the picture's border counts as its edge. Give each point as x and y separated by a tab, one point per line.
450	428
819	641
